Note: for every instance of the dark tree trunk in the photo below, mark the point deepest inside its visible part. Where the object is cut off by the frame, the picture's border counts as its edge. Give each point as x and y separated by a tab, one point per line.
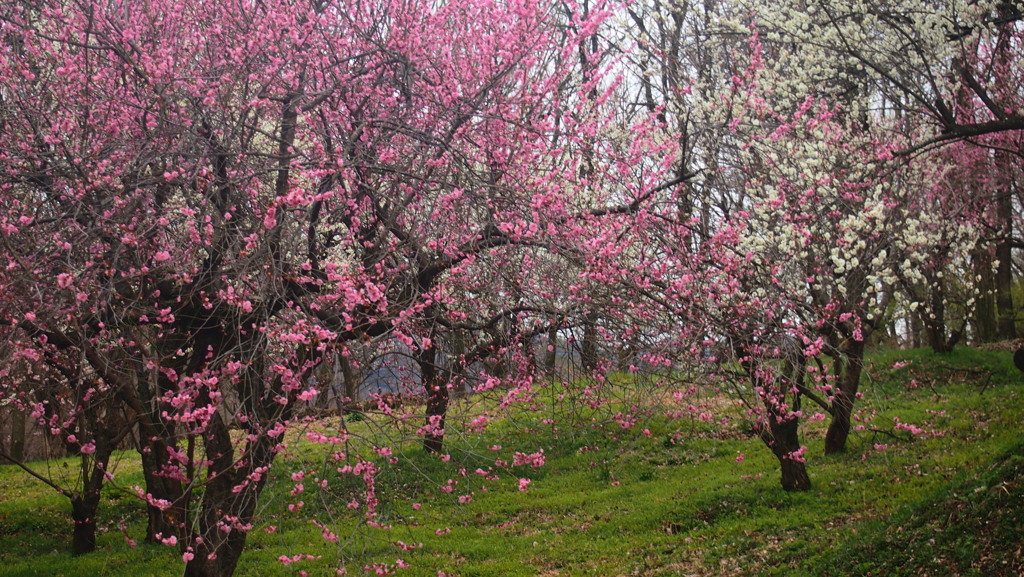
218	553
108	430
839	426
914	321
985	329
780	428
551	356
347	400
588	349
83	514
217	535
155	436
784	441
171	520
1004	290
17	435
935	319
1005	216
845	396
437	399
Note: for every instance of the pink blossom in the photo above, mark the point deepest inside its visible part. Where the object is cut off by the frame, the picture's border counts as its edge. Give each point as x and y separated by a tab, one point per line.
535	460
797	455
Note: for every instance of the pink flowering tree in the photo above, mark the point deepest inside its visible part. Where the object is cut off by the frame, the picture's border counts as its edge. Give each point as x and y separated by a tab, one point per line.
202	202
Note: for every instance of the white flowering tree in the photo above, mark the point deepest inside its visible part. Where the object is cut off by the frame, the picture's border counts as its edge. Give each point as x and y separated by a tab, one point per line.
818	210
942	73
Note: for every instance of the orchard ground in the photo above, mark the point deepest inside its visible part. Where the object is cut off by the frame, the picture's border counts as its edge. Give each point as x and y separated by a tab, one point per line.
665	497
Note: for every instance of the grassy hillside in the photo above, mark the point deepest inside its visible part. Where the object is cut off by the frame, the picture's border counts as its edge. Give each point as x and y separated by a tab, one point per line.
665	497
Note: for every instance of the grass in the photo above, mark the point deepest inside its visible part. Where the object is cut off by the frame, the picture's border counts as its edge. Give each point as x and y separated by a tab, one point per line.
685	499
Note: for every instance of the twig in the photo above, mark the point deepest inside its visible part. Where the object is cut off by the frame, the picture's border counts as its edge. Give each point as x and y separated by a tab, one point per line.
56	487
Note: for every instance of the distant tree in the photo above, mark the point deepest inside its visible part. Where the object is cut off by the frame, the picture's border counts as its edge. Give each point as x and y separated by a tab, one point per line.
81	416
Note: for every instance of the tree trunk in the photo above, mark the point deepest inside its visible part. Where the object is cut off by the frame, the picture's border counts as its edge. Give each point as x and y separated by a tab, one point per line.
17	434
155	436
348	400
83	514
169	521
985	329
234	482
846	395
794	475
551	358
784	441
914	322
627	354
839	426
588	349
1004	291
224	508
1004	253
437	399
779	430
935	319
108	431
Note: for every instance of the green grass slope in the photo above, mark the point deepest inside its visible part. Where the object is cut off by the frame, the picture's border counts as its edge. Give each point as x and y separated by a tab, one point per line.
973	526
667	497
